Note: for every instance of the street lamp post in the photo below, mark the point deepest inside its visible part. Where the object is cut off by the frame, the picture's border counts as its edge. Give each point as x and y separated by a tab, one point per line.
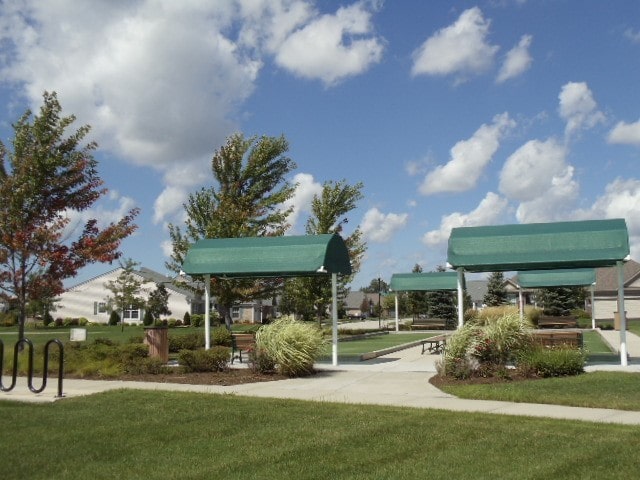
379	309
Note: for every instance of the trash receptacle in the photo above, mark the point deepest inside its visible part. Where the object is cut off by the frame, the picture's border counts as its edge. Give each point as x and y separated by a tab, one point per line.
158	340
616	320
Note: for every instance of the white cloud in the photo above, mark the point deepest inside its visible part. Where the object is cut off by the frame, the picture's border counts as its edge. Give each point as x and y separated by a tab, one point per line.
109	209
459	48
301	201
625	133
168	203
633	35
517	61
162	82
537	176
158	81
488	212
332	47
578	108
528	171
468	159
379	227
621	199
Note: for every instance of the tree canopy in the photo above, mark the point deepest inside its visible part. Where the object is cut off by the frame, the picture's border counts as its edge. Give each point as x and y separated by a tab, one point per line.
311	296
46	176
496	292
246	200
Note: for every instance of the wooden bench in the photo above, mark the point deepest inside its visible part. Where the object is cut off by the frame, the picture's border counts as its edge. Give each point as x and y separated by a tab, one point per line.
242	342
434	344
426	323
549	321
555	338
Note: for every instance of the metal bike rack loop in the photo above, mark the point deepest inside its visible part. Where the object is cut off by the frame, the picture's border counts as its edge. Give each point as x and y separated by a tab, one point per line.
45	369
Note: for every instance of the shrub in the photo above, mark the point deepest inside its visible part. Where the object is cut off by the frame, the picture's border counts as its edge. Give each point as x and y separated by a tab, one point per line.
221	336
186	319
215	359
485	347
260	361
197	320
552	362
533	314
293	345
47	319
192	341
147	320
114	318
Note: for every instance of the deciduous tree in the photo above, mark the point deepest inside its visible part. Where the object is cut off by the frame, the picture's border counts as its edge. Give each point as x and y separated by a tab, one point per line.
125	290
45	174
246	200
312	295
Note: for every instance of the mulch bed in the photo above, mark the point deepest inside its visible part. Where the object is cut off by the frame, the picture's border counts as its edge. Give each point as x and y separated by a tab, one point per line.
230	377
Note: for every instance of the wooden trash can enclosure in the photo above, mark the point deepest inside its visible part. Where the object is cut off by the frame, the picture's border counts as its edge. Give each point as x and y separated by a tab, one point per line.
158	340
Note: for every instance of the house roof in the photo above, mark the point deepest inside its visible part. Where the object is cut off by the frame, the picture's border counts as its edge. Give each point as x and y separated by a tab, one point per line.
401	282
477	289
537	246
607	278
305	255
556	278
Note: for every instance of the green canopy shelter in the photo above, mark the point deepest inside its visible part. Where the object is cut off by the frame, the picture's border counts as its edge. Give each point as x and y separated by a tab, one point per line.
431	281
577	277
261	257
542	246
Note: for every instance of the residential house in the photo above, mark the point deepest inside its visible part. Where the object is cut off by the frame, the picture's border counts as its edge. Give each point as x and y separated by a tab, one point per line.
354	301
606	291
89	299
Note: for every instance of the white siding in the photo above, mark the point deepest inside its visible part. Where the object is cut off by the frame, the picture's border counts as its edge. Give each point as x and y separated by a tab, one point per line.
81	300
606	307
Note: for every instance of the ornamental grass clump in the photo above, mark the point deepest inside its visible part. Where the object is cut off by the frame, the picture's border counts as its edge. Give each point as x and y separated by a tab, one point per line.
485	347
293	346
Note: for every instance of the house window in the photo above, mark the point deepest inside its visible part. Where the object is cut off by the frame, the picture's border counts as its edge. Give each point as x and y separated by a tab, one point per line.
235	312
132	314
99	307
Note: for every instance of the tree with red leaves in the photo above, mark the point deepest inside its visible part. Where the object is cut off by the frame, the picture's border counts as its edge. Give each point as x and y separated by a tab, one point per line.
44	177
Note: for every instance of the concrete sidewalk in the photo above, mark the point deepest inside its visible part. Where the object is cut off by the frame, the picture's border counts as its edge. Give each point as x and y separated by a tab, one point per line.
398	379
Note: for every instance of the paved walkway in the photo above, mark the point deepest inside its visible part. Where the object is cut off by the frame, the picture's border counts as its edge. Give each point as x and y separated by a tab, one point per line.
398	379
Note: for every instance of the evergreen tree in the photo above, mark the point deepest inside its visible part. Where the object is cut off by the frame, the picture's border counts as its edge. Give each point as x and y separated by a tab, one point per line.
418	301
496	292
443	304
559	301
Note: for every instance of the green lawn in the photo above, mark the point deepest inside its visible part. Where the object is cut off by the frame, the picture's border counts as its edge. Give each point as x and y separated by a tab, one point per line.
617	390
161	435
351	350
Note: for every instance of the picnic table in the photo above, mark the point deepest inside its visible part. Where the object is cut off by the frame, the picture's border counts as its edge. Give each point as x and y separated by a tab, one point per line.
434	344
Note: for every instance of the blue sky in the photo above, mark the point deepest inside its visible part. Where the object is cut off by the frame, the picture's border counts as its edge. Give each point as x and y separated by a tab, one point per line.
450	113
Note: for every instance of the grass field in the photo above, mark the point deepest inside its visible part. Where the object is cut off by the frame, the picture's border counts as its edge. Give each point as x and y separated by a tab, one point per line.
160	435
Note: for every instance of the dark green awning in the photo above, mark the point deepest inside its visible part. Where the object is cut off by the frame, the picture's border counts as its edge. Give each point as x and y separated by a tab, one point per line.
306	255
404	282
539	246
579	277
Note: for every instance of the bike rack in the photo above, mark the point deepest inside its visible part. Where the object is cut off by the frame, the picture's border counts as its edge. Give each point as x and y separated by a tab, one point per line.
45	369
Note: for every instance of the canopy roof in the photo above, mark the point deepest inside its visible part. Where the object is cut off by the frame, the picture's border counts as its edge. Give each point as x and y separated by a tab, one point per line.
401	282
557	278
539	246
306	255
